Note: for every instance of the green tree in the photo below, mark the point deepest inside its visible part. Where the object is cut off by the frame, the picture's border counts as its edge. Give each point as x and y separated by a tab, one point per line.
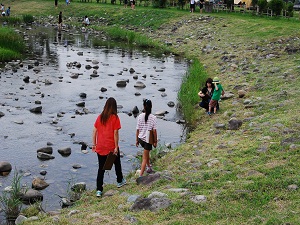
290	9
262	4
159	3
276	6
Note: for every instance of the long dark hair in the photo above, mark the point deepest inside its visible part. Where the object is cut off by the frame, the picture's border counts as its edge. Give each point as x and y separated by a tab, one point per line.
109	109
147	107
209	80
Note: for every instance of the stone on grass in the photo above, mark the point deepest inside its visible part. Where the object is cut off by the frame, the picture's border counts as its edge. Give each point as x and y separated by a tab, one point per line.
292	187
147	180
152	204
234	124
198	199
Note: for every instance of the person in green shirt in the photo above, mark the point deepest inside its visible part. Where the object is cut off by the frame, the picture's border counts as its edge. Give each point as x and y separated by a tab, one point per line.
218	91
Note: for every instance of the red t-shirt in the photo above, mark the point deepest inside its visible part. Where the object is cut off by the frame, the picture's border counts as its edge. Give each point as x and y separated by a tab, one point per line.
105	134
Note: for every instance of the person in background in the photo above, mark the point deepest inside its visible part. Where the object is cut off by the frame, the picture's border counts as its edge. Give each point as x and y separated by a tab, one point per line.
125	3
55	3
201	4
105	140
192	6
218	91
132	4
60	20
206	93
8	11
86	21
146	122
2	10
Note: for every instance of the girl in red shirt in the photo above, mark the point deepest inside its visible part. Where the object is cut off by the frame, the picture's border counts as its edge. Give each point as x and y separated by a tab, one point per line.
106	140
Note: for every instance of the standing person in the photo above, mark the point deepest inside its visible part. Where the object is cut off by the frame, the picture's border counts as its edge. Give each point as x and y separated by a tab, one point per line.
2	10
216	95
125	3
192	6
201	5
86	21
8	11
146	122
106	140
55	3
206	93
132	4
60	20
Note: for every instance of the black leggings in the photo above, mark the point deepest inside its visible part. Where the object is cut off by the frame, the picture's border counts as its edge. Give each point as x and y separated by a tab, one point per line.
118	169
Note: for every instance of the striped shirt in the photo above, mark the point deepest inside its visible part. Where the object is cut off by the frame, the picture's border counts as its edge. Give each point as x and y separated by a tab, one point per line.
142	126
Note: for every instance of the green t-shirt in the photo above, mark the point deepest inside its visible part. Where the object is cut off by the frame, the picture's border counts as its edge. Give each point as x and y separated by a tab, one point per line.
217	93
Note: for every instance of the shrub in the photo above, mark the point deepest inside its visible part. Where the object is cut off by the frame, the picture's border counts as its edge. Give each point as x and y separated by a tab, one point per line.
254	3
276	6
290	9
27	18
262	4
159	3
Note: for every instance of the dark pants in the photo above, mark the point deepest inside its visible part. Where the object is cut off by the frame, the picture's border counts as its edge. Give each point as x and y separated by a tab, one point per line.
118	169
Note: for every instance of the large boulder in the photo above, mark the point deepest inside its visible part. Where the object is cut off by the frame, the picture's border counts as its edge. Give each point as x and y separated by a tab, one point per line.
148	180
234	124
47	150
152	204
121	83
139	84
39	184
5	168
30	196
36	109
65	151
44	156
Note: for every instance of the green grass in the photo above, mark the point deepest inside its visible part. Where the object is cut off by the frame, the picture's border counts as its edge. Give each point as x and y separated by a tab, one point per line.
11	45
192	81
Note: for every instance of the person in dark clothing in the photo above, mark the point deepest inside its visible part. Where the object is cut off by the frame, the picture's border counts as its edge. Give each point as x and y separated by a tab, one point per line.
60	20
206	93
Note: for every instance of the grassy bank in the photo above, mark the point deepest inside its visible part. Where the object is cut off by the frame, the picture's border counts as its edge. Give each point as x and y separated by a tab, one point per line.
245	174
11	45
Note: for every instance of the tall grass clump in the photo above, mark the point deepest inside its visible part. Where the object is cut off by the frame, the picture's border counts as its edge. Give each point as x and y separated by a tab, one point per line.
9	39
10	20
10	201
11	45
191	83
133	38
27	18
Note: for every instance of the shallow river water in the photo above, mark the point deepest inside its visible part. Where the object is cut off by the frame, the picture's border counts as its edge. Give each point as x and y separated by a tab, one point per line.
23	132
